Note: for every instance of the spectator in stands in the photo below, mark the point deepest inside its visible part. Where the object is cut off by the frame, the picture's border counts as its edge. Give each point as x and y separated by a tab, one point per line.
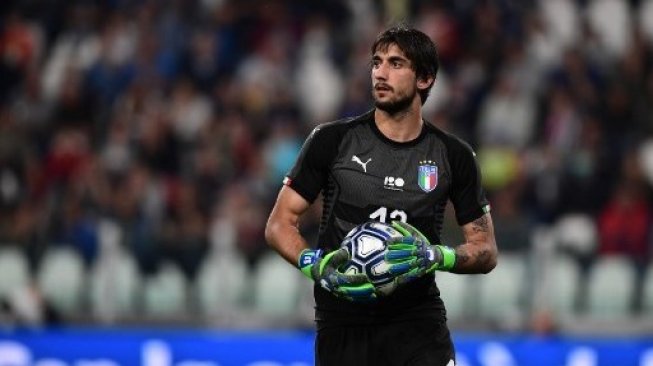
625	222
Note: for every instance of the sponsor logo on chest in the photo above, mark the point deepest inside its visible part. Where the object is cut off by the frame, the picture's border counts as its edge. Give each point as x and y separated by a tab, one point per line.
427	175
394	183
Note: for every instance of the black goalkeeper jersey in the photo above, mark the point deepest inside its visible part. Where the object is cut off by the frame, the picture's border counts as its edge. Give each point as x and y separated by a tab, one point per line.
365	176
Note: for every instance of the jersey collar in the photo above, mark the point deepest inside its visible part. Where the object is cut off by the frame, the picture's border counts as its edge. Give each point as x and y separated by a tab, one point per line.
388	141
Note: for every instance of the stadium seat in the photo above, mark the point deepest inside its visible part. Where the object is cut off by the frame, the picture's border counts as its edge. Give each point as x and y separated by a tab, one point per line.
221	282
61	278
562	284
276	287
501	291
306	309
611	284
115	284
164	294
647	291
454	290
14	270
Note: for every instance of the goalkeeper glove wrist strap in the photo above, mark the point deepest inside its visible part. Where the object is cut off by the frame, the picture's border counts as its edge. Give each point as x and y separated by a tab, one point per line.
306	261
448	257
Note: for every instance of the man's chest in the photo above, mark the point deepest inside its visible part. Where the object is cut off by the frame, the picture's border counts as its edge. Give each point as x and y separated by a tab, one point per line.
411	180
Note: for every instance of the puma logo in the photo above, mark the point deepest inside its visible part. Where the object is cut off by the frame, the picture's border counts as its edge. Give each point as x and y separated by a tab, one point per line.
356	159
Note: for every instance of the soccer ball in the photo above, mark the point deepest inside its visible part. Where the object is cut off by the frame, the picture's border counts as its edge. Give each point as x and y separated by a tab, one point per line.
366	244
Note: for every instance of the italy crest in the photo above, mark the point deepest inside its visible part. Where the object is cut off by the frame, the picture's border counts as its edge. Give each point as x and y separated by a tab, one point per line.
427	175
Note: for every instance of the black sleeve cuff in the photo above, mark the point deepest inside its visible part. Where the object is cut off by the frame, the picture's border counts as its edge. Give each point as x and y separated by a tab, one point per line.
303	191
467	217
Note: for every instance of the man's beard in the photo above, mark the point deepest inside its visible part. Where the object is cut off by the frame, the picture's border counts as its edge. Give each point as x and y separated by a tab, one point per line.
394	107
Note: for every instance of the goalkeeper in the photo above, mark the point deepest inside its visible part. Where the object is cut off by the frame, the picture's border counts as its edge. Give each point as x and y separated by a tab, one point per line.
387	165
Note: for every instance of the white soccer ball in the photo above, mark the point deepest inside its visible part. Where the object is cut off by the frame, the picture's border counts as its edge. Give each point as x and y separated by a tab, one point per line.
367	245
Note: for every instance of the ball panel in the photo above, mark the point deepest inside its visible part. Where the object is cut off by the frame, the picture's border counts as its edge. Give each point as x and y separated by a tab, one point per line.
354	268
379	269
367	245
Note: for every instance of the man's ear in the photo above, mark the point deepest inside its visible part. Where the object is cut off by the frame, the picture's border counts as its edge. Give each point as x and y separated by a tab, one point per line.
425	83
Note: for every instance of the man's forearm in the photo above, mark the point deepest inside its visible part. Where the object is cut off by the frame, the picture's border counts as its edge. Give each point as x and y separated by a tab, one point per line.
472	258
479	253
286	240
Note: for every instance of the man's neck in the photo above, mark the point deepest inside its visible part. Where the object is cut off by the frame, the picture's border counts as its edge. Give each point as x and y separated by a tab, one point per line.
402	126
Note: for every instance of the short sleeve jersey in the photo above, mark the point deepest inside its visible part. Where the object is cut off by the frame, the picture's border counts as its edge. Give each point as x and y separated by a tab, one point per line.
365	176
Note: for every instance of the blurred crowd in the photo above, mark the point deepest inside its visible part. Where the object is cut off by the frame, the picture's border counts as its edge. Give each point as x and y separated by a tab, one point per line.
174	118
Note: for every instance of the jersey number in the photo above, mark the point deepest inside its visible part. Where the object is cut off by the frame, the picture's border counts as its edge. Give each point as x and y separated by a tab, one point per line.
381	214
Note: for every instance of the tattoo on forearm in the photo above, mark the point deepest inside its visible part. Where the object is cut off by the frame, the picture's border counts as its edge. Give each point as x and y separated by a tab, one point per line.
480	225
484	258
461	257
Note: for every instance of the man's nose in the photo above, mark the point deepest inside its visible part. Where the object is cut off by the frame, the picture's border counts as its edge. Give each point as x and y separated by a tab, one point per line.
380	72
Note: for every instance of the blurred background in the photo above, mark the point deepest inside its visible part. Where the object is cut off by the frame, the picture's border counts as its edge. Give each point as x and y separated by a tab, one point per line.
142	145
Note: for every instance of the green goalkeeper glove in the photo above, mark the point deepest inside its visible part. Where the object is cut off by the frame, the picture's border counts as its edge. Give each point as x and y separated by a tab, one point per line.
324	269
414	256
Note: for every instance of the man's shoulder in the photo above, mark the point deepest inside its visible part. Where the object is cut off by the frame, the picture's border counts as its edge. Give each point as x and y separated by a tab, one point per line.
453	143
341	126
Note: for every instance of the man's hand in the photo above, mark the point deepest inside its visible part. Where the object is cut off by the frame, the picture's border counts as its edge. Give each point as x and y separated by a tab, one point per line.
323	268
414	256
